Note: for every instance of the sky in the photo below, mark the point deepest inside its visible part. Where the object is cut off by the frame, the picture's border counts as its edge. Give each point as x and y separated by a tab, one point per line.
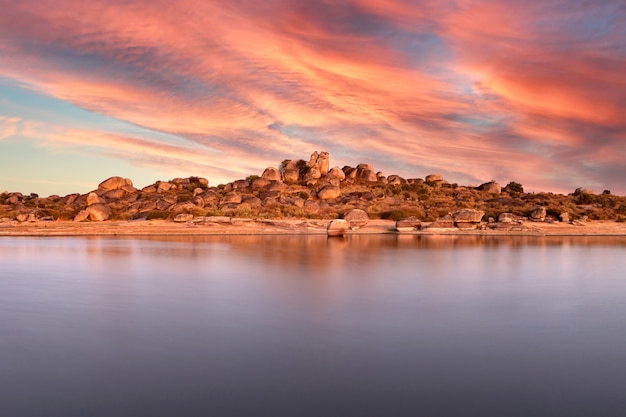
532	91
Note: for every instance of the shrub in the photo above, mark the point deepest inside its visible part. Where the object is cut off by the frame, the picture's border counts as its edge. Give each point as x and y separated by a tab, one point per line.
158	214
513	187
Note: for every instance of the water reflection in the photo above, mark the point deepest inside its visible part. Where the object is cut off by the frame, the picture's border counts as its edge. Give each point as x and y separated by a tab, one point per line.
305	325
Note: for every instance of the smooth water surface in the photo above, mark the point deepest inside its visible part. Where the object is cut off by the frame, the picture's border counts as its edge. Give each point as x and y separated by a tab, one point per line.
309	326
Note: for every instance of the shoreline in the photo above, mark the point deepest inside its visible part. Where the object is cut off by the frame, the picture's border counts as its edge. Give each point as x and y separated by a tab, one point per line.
239	226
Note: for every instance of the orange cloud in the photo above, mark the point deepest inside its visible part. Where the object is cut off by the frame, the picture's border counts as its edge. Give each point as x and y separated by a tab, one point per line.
473	89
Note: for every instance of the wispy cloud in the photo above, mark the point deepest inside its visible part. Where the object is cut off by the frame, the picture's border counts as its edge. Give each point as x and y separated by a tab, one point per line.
476	90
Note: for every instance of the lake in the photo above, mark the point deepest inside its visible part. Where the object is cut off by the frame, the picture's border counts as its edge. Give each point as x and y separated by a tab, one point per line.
308	326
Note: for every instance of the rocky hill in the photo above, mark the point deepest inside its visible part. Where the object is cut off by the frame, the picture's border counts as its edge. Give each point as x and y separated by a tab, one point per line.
312	189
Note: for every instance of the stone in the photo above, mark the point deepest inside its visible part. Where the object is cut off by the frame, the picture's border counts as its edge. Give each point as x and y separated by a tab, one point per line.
70	198
114	194
564	217
271	174
197	191
337	173
507	218
329	192
114	183
183	218
313	174
349	172
538	214
433	178
445	222
260	183
93	198
395	180
291	176
81	216
356	218
232	198
241	185
252	202
408	225
149	189
203	181
468	216
323	162
580	222
164	187
22	217
98	212
367	175
14	199
198	201
337	228
491	187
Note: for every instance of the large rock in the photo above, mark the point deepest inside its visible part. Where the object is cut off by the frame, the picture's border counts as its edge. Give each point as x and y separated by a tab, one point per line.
232	198
468	216
367	175
507	218
408	225
271	174
395	180
93	198
329	192
433	178
291	175
538	214
183	218
98	212
164	187
337	228
337	173
445	222
491	187
356	218
312	174
115	183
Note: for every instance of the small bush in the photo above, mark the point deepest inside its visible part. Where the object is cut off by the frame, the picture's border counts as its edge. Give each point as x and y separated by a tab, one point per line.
158	214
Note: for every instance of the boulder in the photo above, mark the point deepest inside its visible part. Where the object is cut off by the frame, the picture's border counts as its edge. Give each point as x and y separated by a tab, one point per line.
356	218
329	192
114	194
81	216
408	225
98	212
114	183
149	189
349	172
183	218
538	214
445	222
433	178
367	175
507	218
232	198
252	202
260	183
468	216
22	217
198	201
312	174
395	180
564	217
271	174
93	198
337	173
337	228
164	187
291	175
491	187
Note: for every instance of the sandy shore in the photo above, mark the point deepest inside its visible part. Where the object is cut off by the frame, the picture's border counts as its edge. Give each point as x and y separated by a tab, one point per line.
283	227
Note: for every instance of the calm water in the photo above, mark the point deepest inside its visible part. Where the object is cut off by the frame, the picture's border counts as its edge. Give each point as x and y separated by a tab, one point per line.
305	326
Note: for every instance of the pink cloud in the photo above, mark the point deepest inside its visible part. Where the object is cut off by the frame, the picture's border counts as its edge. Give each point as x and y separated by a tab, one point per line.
473	89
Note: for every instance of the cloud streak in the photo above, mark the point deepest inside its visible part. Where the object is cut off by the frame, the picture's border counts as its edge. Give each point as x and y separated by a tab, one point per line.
473	89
